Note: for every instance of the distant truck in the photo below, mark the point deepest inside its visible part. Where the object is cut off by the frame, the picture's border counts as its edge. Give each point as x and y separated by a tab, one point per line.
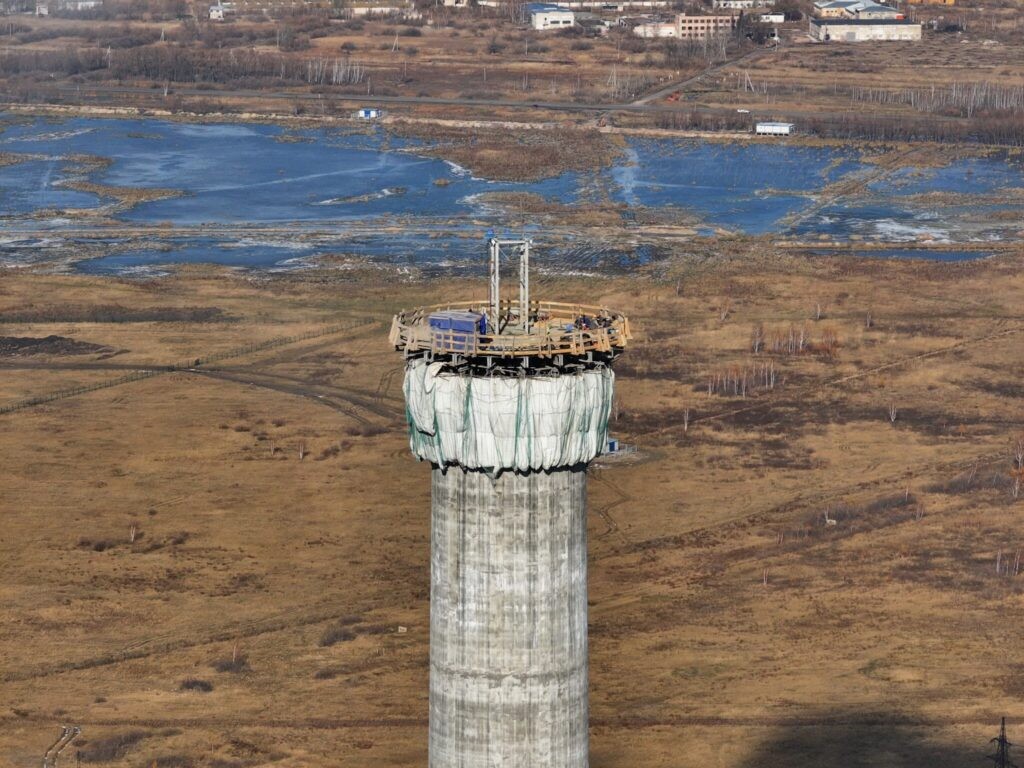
773	129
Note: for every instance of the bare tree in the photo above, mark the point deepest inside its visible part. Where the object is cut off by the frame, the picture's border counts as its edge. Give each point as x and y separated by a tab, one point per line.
757	338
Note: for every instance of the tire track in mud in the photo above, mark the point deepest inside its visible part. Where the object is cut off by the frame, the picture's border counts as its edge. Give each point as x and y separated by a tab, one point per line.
343	400
169	643
144	372
605	511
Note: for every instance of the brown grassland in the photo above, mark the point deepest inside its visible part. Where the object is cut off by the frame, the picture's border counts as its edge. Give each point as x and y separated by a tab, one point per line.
819	573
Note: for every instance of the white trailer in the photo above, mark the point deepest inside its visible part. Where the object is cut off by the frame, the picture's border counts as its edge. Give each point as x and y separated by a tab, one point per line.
773	129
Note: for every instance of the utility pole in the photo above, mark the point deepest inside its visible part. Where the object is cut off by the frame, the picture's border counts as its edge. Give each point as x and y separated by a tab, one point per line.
1001	757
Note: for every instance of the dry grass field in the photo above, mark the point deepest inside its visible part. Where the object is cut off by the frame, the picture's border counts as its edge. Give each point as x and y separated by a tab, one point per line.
808	77
472	54
821	572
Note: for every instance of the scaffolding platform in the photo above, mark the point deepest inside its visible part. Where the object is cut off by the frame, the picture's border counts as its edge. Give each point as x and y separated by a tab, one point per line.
555	329
516	330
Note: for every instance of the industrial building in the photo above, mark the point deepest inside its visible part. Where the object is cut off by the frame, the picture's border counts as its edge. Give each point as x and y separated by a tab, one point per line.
509	400
75	6
833	9
222	11
657	27
703	27
855	9
681	26
545	16
741	5
614	5
863	30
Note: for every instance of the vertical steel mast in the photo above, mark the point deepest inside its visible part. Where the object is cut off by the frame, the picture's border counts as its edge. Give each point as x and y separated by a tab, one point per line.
499	247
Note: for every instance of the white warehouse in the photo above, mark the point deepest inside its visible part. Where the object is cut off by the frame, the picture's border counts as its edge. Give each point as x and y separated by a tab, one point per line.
860	30
544	16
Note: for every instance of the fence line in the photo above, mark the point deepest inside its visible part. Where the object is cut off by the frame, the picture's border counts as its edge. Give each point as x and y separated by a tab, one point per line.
185	365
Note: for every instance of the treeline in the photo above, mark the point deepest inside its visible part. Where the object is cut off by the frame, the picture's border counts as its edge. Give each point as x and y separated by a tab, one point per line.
1004	129
1008	130
136	10
184	65
964	99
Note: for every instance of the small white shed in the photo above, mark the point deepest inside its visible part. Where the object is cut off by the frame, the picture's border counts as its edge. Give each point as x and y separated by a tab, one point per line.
773	129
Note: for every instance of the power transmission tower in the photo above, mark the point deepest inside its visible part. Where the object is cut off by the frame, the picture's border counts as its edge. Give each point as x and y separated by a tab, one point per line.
1001	758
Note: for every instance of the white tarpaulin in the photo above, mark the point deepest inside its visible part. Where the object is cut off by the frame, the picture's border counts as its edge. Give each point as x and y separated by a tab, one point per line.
507	423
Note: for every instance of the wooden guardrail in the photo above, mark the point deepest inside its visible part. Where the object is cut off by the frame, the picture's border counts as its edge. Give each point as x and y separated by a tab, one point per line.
558	329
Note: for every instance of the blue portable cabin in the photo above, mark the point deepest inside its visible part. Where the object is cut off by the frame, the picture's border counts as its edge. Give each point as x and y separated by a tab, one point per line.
457	329
458	320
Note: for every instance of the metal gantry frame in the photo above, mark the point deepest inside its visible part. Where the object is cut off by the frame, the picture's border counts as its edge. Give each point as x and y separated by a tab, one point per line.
512	247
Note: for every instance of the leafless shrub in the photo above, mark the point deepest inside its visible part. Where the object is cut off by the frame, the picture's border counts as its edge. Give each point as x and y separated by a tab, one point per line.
972	480
365	430
829	344
340	631
335	635
791	341
109	748
195	684
97	545
172	761
724	309
739	381
329	452
1007	565
236	662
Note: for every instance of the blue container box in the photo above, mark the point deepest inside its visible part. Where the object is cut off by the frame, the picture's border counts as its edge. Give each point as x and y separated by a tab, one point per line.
456	320
459	328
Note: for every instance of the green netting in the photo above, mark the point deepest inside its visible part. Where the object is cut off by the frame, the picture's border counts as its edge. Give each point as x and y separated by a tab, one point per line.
501	423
